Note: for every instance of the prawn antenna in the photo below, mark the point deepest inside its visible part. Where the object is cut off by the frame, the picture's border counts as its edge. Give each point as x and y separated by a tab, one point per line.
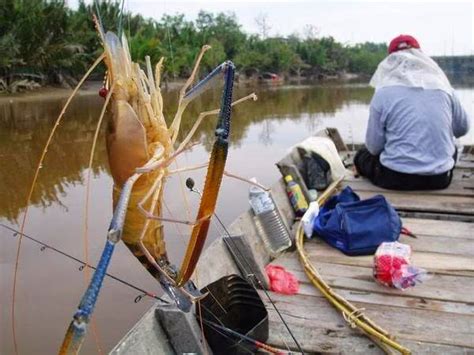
32	187
120	26
98	18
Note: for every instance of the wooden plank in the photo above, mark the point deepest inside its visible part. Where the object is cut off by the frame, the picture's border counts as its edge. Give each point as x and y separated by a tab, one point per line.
457	188
400	301
316	338
437	216
438	287
431	240
440	228
458	198
333	133
428	203
465	162
463	173
244	259
440	244
434	262
415	324
460	174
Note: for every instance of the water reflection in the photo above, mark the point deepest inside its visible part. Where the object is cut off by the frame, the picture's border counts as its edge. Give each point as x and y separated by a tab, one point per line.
25	127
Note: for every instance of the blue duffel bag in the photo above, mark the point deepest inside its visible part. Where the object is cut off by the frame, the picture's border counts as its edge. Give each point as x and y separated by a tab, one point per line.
355	226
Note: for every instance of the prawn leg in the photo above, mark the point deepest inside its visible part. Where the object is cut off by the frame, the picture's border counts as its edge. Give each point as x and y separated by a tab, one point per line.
185	144
178	285
226	173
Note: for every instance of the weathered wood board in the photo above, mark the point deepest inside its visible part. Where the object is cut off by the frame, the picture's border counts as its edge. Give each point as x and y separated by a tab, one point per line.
446	300
436	316
457	199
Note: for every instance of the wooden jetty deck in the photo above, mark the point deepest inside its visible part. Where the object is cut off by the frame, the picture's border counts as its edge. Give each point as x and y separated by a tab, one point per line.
434	317
437	316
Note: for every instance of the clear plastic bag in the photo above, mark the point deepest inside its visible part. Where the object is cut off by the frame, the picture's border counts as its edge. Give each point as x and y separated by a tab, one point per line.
392	266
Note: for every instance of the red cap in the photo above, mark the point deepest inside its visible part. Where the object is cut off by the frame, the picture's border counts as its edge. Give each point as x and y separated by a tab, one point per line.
402	42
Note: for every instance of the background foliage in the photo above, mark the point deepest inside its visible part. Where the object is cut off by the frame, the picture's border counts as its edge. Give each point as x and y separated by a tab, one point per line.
46	40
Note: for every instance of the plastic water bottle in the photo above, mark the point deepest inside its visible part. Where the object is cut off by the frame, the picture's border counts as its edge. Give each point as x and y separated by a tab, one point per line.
269	222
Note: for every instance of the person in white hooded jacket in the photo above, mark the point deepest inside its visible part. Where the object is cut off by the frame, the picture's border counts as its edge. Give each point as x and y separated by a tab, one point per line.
414	119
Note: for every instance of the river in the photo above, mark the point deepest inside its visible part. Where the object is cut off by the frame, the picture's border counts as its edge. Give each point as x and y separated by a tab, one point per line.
50	285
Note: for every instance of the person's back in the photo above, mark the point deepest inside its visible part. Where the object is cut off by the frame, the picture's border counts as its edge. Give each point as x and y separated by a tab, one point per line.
419	127
414	117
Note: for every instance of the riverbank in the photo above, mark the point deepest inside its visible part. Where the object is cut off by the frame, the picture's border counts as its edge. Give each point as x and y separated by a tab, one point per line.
49	93
91	88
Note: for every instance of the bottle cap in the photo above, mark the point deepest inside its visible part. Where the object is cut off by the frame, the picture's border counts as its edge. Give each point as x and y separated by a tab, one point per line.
288	178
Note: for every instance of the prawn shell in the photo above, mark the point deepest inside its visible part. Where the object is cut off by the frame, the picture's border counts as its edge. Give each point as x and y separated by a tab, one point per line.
126	142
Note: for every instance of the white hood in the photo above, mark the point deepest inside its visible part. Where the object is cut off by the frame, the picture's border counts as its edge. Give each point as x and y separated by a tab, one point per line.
410	67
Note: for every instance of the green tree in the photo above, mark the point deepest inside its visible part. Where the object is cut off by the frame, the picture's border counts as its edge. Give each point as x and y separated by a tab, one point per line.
46	38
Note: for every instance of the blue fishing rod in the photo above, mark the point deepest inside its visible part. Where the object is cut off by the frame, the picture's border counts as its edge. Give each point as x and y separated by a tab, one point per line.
77	328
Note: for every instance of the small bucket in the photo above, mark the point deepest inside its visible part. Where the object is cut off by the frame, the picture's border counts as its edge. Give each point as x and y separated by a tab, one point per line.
235	304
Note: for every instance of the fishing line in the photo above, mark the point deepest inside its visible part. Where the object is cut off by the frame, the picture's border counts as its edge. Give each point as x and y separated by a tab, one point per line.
120	26
45	246
94	327
97	10
88	182
243	337
223	325
262	287
249	267
176	226
218	331
32	187
206	352
169	42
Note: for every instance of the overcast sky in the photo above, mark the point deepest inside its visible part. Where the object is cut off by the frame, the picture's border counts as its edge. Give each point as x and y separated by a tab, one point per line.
441	27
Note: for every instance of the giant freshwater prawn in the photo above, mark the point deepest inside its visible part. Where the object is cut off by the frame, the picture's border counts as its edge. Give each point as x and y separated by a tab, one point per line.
141	147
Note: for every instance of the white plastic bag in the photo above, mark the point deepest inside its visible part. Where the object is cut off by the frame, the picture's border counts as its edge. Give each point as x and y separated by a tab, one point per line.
309	217
326	148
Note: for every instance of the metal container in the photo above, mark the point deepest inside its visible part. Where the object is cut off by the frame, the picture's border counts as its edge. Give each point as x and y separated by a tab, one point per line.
235	304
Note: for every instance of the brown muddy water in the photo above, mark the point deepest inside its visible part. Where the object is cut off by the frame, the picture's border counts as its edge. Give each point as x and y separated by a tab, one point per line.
50	285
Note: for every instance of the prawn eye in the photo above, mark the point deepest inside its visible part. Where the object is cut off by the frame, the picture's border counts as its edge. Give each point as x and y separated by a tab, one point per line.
103	92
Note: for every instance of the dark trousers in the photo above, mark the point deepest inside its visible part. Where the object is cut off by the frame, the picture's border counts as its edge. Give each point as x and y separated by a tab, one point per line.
369	166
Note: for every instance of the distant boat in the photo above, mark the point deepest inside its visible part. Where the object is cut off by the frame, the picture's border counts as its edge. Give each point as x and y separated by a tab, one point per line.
270	78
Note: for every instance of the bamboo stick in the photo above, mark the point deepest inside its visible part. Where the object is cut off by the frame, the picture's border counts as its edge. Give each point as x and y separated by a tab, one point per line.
352	314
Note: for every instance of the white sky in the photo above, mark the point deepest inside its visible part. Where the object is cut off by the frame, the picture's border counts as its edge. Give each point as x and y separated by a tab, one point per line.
441	27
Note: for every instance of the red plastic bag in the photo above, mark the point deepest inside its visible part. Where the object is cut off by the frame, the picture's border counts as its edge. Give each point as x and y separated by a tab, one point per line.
282	281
